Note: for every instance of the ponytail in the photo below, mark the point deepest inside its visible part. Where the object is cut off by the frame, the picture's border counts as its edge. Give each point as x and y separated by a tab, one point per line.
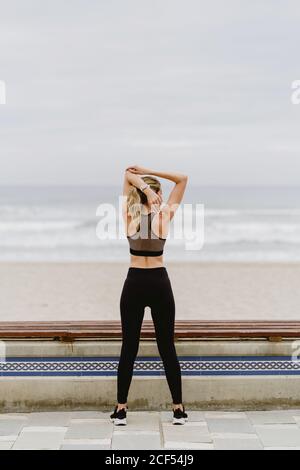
136	198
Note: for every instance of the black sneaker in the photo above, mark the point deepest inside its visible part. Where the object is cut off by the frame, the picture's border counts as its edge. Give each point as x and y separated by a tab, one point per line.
179	416
119	417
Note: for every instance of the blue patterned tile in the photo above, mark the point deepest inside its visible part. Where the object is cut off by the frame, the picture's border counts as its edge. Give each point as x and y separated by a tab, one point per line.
145	365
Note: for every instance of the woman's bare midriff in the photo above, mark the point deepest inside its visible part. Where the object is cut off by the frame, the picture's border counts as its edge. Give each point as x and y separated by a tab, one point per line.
146	261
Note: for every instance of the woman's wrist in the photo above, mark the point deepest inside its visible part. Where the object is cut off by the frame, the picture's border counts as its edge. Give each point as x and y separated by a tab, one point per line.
147	190
135	180
143	187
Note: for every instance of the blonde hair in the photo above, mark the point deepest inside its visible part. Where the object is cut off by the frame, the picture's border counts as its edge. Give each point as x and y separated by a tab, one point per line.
136	198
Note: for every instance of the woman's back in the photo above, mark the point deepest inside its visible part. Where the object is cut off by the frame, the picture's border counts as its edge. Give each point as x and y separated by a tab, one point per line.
146	247
146	190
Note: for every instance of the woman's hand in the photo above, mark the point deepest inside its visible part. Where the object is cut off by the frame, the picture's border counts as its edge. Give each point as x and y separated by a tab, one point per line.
138	170
154	199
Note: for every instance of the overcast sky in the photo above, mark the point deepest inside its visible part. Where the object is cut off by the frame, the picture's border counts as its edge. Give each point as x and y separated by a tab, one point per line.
196	86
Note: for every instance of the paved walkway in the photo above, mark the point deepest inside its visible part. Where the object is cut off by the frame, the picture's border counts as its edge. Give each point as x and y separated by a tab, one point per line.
151	430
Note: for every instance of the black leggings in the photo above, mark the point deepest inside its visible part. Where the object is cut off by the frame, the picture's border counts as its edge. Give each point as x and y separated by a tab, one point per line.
148	287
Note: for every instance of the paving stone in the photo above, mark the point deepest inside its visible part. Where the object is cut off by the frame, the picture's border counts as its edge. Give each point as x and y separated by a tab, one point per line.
17	416
98	421
233	435
44	429
281	448
11	426
195	415
91	414
143	421
89	429
173	445
297	420
293	412
92	430
40	438
131	441
230	425
86	444
270	417
84	447
281	435
225	415
234	443
121	430
190	432
167	416
49	419
6	445
8	438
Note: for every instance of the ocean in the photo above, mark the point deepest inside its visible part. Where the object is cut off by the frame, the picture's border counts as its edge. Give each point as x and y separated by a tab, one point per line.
57	224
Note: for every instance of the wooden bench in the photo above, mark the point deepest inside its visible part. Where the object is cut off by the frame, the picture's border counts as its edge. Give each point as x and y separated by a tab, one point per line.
184	329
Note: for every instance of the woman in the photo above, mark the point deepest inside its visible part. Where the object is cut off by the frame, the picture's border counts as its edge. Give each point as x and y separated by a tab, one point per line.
147	283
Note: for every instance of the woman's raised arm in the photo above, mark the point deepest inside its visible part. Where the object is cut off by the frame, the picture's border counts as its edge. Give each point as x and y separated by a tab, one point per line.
132	178
176	195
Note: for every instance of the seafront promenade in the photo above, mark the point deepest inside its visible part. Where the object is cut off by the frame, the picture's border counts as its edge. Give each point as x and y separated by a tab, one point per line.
92	430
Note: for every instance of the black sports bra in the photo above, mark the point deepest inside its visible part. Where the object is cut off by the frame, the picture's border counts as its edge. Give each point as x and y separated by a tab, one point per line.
145	242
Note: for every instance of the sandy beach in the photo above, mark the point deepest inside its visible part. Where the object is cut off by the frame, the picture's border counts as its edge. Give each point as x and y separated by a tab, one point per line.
207	291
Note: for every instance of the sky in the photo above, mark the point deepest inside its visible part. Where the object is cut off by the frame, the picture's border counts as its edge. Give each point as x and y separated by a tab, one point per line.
182	85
